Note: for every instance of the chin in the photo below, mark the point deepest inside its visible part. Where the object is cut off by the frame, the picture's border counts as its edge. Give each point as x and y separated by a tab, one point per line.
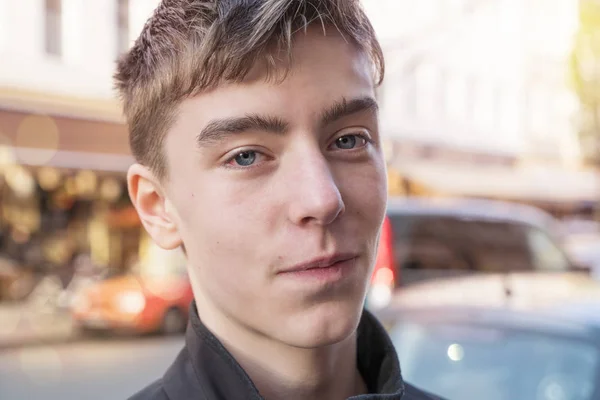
322	324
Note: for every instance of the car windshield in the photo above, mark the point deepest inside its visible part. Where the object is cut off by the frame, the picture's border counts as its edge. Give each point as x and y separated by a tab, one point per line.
428	246
474	363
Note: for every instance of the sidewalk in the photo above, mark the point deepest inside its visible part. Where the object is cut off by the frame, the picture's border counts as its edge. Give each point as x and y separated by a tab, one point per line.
20	327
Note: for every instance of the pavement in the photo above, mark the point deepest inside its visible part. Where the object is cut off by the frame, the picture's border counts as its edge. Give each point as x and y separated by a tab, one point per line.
43	357
22	325
87	369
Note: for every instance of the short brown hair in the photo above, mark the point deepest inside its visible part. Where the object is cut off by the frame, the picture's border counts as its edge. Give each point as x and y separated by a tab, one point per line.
189	46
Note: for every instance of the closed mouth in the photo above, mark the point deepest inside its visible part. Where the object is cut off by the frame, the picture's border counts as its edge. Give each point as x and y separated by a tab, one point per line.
322	262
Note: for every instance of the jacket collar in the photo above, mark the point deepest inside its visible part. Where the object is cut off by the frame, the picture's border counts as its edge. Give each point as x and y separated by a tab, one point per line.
206	370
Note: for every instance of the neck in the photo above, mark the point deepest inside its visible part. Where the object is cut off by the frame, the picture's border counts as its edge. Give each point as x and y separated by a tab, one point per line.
280	371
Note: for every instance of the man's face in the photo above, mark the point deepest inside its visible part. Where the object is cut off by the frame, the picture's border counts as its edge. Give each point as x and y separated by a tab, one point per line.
273	182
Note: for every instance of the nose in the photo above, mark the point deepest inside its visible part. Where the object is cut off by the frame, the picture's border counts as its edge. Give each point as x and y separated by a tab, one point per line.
314	196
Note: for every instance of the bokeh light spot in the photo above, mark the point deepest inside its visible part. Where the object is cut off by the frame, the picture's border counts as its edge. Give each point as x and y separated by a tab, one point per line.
37	140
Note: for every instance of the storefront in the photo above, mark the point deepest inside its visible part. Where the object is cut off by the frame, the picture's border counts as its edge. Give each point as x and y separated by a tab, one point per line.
63	192
61	213
426	171
562	193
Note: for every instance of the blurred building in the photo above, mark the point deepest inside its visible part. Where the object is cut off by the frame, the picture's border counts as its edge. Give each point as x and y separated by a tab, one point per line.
476	100
63	143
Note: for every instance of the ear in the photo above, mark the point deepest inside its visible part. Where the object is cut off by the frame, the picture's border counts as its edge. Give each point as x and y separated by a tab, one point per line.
156	213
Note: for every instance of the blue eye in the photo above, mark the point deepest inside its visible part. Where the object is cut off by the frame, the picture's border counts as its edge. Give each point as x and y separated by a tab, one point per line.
245	158
349	142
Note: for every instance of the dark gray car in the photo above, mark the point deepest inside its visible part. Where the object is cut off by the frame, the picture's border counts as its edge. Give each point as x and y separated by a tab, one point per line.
474	353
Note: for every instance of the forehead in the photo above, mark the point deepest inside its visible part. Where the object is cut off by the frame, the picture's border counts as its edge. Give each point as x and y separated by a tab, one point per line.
324	69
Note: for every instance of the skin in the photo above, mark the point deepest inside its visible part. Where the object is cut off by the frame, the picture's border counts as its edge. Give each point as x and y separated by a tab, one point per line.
249	202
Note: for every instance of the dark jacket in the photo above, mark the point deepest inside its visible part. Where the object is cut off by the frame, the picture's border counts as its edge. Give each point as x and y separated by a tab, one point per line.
205	370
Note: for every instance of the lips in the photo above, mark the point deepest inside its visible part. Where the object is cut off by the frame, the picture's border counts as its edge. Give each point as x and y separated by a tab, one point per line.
321	262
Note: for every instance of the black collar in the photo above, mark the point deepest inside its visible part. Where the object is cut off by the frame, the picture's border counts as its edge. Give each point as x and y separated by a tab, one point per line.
206	370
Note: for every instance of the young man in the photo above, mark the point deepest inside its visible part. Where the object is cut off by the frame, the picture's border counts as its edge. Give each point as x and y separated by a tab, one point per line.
254	125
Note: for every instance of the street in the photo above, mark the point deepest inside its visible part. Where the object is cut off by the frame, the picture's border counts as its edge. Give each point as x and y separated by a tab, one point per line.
102	369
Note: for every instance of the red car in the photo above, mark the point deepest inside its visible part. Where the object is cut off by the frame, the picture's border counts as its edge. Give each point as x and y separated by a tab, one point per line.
135	304
385	273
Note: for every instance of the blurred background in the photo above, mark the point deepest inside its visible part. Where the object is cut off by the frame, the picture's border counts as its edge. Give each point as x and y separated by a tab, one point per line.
490	111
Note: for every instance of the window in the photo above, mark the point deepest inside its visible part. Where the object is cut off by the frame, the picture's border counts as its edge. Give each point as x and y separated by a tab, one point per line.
53	27
539	112
430	246
122	26
410	95
547	256
441	246
3	24
509	112
484	104
456	93
427	91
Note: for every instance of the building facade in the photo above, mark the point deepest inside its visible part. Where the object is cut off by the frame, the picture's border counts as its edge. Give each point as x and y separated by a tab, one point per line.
63	142
67	47
483	83
481	75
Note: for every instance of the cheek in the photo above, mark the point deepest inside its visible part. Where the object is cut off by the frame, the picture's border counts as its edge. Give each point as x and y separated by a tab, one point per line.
246	205
221	226
364	190
220	251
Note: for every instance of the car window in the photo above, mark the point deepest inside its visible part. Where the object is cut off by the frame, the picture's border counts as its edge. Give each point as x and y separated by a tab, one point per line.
444	244
546	254
473	363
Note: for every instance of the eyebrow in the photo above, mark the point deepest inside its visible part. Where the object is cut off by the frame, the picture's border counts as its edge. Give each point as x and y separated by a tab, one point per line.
345	108
219	129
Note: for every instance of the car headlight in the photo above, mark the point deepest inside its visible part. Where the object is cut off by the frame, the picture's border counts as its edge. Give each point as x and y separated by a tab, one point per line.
131	302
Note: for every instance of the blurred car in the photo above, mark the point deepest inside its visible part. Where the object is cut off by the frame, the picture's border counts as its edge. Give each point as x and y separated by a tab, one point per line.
383	280
493	355
584	249
424	239
520	336
134	304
